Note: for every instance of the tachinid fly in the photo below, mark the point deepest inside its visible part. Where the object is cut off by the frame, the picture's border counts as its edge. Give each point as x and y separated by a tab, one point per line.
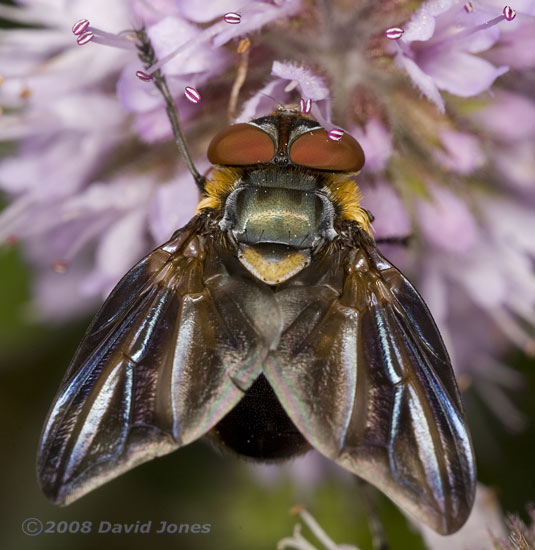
272	323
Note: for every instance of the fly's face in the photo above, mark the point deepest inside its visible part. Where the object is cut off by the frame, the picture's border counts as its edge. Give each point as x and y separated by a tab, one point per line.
281	206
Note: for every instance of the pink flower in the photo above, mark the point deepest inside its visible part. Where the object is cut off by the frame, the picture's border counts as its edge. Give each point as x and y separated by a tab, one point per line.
462	152
437	50
292	81
202	11
509	116
508	120
446	222
376	142
391	216
516	44
170	206
493	274
173	32
87	196
66	202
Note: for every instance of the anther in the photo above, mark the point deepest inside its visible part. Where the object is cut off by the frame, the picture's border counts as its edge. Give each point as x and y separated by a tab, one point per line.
232	18
80	27
192	94
85	38
335	134
59	266
305	105
394	33
142	75
509	13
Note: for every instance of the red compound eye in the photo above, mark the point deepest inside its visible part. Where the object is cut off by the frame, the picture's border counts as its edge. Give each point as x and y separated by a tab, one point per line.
315	150
239	145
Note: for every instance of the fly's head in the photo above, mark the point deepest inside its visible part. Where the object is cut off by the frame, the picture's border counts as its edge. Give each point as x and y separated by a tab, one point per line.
282	184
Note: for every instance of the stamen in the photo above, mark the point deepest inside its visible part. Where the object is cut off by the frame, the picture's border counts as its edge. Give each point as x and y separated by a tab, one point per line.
142	75
232	18
243	45
86	33
292	85
80	26
336	134
469	7
394	33
205	36
59	266
305	105
192	94
85	38
509	13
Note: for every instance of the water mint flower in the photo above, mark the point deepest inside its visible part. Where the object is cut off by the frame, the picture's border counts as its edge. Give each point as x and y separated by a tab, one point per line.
438	46
201	11
376	142
461	152
71	128
173	32
497	116
89	191
391	216
513	151
446	222
290	80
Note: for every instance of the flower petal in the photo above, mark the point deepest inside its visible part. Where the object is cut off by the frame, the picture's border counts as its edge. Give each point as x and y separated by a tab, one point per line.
255	15
423	81
515	48
172	32
463	152
122	245
446	221
460	73
203	11
51	288
135	95
376	142
510	116
263	102
423	23
391	217
311	85
173	205
153	126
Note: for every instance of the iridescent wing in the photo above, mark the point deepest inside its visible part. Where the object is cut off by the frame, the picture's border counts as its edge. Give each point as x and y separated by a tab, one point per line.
366	378
167	356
